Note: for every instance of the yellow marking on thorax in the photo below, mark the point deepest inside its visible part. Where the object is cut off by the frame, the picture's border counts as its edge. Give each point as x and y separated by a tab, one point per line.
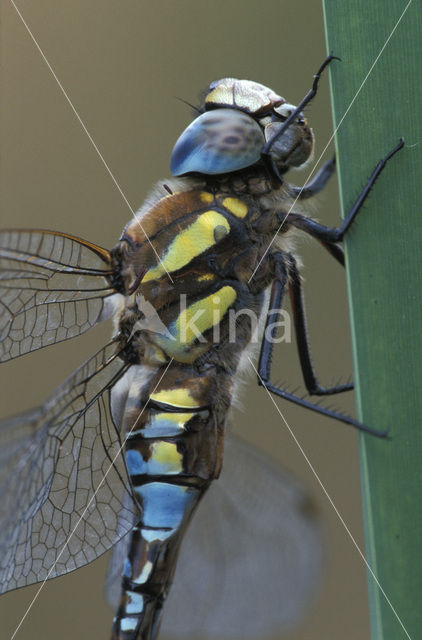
206	197
157	353
176	398
192	323
189	243
203	314
236	206
167	455
206	277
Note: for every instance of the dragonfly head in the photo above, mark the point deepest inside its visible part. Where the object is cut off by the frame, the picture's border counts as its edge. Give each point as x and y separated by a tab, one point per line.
238	118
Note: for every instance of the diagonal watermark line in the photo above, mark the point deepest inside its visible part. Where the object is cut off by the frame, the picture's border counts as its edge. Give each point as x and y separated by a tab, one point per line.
331	137
331	501
92	141
65	545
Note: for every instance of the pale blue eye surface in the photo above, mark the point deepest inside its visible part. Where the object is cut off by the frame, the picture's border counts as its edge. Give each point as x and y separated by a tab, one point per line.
218	141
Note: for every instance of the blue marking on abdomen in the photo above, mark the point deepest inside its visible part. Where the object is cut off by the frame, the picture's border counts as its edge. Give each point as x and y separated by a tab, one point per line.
164	505
135	603
135	462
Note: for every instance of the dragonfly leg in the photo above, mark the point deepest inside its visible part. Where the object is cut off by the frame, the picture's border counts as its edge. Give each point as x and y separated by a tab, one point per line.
299	317
331	235
266	157
264	364
317	231
317	184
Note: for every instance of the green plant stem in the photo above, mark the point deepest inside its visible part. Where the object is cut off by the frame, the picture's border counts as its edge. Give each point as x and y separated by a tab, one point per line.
384	270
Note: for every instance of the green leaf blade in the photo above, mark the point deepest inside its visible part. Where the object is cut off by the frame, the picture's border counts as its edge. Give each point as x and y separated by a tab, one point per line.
384	267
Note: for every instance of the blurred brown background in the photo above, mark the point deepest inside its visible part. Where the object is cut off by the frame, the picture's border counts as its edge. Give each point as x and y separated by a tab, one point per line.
122	65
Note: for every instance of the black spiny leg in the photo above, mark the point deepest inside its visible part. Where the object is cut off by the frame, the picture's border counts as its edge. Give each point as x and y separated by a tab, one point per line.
264	365
328	236
317	184
314	229
266	149
296	297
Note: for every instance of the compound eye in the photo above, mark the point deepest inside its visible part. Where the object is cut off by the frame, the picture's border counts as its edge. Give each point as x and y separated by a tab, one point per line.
218	141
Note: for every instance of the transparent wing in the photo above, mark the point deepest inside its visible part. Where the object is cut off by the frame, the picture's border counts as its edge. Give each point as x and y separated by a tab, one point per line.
251	559
113	585
52	287
252	556
62	478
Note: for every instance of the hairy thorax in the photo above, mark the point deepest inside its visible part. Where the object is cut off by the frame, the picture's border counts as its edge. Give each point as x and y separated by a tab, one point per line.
200	249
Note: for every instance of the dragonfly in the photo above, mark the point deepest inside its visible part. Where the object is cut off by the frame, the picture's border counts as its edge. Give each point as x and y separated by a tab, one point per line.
122	453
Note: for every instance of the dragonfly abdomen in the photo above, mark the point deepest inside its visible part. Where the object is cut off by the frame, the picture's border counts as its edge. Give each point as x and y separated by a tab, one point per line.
173	451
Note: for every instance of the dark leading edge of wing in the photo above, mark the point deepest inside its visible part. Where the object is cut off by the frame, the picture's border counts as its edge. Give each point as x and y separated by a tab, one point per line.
62	478
53	287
